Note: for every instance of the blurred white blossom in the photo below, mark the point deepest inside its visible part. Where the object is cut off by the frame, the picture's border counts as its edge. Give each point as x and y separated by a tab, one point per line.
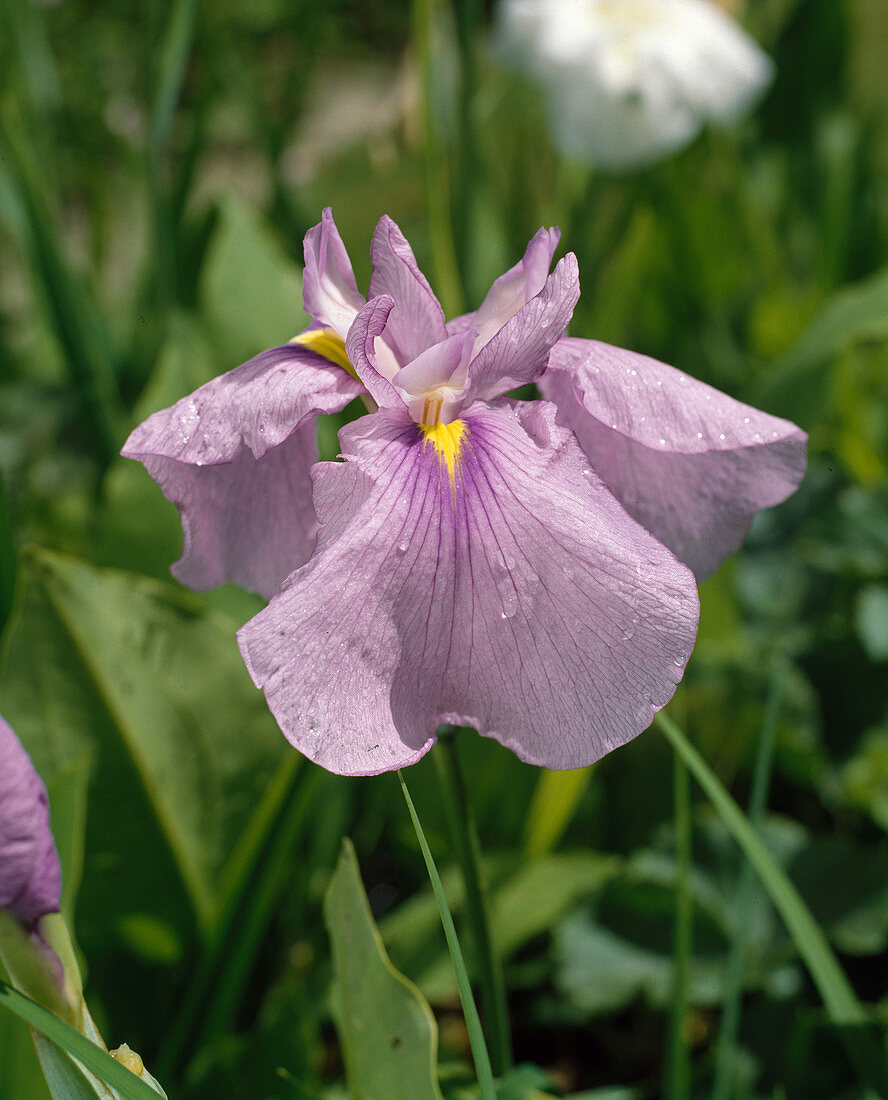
628	81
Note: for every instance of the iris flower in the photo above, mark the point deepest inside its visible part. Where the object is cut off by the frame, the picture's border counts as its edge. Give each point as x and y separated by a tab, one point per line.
629	81
523	567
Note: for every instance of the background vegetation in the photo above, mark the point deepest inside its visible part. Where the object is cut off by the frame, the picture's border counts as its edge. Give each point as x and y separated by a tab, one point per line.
159	164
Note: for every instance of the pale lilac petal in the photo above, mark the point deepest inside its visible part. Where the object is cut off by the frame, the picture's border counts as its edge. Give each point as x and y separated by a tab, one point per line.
417	320
330	295
368	351
517	353
513	290
235	456
249	521
433	383
521	600
688	462
30	875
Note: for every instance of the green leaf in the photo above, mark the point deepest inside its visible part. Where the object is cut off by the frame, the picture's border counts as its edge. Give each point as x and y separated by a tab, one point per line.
67	802
145	678
250	292
387	1031
67	1081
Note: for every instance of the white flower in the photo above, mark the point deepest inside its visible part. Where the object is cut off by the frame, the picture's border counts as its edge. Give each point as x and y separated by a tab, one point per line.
628	81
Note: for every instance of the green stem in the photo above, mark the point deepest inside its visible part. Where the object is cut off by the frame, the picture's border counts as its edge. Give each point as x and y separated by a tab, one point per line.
437	168
679	1055
464	836
473	1021
730	1021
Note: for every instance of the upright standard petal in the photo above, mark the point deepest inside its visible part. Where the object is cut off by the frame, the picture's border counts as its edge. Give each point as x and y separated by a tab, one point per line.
517	353
330	294
30	875
235	456
512	290
476	573
691	464
417	320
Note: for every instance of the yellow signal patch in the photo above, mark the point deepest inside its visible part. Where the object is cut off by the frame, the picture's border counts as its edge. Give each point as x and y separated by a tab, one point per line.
328	343
447	439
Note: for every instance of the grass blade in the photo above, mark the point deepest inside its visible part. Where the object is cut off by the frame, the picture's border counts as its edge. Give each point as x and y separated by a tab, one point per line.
95	1059
842	1005
730	1021
473	1021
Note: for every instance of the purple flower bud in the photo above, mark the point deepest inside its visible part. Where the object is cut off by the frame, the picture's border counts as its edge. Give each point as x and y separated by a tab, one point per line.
30	875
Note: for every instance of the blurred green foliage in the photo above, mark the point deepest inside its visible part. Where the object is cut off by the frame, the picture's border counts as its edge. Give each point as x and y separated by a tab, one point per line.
159	165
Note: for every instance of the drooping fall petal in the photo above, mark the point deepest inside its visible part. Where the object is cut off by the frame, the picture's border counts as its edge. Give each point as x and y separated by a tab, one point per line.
690	463
478	574
234	456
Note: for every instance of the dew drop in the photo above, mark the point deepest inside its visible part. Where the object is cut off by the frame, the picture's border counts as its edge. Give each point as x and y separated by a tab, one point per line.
628	632
722	436
510	605
659	381
745	419
699	435
403	546
662	442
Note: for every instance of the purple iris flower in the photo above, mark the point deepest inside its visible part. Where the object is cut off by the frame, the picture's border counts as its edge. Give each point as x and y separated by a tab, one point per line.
518	566
30	875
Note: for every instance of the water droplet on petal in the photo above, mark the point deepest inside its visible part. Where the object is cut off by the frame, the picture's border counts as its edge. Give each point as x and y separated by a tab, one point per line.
403	545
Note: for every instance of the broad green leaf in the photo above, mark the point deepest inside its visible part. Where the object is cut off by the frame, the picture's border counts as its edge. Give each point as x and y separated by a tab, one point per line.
145	678
67	1079
67	803
250	292
387	1031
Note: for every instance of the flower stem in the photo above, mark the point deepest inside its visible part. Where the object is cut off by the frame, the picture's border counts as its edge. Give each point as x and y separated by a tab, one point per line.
488	969
473	1021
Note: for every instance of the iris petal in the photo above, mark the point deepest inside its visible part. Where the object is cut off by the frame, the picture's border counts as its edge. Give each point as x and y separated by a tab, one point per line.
235	456
688	462
521	600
